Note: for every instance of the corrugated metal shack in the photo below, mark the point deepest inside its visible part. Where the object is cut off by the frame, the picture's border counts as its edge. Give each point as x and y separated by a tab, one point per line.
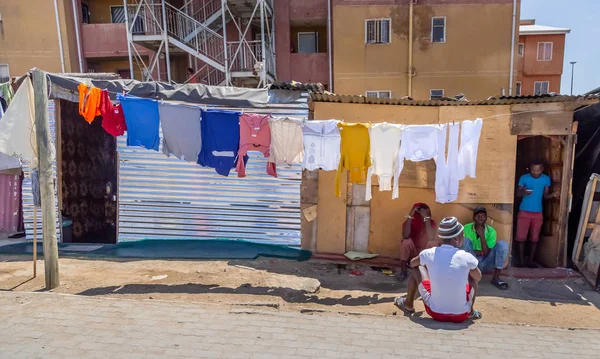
515	131
166	198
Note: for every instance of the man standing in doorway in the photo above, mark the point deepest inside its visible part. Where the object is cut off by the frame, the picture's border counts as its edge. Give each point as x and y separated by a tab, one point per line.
481	241
533	187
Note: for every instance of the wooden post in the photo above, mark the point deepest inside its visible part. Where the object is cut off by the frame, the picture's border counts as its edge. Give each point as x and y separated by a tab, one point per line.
44	146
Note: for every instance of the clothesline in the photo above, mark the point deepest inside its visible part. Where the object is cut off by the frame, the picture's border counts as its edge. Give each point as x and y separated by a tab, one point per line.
243	110
220	138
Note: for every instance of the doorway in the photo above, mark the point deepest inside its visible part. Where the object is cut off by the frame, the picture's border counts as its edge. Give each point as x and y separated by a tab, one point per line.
88	174
551	151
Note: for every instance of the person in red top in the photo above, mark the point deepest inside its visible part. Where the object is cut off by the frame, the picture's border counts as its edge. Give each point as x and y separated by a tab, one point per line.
418	233
192	78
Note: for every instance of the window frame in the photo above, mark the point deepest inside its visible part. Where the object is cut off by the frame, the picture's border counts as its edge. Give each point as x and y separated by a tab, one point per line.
376	20
112	21
521	49
544	46
316	41
519	88
378	92
541	82
445	30
436	97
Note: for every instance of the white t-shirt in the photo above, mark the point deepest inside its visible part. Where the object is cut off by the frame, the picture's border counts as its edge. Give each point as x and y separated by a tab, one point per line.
448	269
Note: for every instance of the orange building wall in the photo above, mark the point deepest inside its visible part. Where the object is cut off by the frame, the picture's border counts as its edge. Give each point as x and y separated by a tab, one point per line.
474	60
530	70
29	38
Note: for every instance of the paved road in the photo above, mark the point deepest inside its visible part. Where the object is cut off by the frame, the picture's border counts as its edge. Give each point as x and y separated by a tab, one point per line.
46	325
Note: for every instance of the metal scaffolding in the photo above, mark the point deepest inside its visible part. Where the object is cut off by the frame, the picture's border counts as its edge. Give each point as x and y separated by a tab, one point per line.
231	42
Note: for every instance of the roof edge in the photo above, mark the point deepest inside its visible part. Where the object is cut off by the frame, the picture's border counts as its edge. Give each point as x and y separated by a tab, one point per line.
502	100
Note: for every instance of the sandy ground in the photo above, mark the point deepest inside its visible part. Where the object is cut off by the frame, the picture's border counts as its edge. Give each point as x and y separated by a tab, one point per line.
292	286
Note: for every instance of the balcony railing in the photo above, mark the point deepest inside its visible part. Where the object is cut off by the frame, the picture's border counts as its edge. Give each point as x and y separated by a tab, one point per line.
243	55
179	25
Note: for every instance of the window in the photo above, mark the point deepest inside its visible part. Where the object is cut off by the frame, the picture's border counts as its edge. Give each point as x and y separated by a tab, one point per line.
436	94
85	13
544	52
308	42
541	87
438	29
379	94
520	49
117	16
377	31
518	89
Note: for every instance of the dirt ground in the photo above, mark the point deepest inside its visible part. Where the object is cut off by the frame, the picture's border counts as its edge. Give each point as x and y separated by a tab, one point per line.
274	284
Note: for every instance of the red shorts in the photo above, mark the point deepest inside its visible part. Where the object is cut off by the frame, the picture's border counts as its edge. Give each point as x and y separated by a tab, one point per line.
529	223
425	291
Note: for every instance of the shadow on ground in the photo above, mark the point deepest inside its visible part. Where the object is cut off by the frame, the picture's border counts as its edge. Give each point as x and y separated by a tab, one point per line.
288	295
338	277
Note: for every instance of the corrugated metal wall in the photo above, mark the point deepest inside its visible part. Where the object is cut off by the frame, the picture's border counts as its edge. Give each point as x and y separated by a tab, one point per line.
166	198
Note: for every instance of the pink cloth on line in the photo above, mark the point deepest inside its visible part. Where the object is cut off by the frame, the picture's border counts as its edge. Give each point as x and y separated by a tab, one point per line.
255	135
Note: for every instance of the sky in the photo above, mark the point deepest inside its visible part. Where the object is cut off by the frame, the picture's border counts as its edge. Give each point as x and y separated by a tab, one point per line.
582	45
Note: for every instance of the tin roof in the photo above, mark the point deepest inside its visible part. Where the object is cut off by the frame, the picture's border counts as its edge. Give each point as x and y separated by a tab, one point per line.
298	86
448	101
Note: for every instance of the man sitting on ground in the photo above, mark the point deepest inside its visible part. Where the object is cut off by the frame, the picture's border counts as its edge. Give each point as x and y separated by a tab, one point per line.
490	252
442	276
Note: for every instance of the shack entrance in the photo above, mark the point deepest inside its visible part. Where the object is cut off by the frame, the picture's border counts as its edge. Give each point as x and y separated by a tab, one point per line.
551	151
88	178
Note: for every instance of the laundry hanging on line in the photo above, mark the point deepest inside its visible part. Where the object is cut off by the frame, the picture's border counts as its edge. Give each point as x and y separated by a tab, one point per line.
321	145
469	142
17	127
327	145
354	153
287	145
113	120
420	143
181	129
255	135
89	102
220	140
385	142
446	182
143	121
7	94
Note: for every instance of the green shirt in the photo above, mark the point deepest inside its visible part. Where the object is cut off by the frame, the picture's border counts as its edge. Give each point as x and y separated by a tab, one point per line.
490	236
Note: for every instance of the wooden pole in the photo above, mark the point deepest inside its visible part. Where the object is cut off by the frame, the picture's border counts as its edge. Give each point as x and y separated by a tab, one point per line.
34	241
44	145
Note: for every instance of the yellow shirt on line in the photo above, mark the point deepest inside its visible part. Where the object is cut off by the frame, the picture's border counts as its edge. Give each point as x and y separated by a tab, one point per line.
354	153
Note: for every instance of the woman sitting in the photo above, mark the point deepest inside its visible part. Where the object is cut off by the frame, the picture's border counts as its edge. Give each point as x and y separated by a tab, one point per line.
418	233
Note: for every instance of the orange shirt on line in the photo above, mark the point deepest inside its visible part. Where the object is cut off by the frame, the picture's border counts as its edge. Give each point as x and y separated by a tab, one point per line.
89	102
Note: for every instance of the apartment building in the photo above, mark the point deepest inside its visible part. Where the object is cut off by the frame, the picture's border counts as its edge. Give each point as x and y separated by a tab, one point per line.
302	41
540	58
225	42
424	48
36	33
384	48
